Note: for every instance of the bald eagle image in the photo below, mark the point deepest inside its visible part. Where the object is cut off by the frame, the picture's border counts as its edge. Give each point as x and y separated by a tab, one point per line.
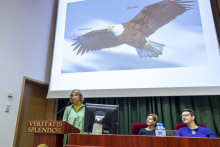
135	32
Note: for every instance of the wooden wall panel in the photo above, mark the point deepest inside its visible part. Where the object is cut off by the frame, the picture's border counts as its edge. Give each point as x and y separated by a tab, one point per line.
218	1
50	109
34	106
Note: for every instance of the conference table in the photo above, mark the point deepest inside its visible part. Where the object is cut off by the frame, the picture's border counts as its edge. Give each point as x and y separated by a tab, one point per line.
90	140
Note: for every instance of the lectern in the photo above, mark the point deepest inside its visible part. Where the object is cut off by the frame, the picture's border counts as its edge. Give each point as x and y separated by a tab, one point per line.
49	133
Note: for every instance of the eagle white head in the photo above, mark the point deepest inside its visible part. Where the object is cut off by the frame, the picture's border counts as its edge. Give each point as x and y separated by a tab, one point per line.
116	29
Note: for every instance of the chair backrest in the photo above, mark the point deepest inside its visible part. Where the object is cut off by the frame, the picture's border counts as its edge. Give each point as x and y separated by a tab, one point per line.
181	125
136	126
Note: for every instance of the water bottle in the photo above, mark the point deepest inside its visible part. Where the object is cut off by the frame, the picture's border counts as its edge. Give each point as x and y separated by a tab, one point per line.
158	130
163	130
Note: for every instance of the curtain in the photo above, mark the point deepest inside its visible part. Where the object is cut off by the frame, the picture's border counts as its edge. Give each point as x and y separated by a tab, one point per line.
168	109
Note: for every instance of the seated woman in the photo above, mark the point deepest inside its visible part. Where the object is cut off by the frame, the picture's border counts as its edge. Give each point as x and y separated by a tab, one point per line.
151	121
192	130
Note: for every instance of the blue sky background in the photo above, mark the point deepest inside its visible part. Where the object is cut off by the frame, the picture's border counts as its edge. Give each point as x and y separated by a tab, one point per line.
182	37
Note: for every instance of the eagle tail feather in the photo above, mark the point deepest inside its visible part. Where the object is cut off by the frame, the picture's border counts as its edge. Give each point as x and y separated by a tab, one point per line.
153	49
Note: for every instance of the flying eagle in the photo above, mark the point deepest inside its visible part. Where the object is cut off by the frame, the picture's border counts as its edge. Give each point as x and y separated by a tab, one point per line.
136	31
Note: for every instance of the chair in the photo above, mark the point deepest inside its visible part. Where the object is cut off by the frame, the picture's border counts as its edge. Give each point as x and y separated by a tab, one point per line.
181	125
135	127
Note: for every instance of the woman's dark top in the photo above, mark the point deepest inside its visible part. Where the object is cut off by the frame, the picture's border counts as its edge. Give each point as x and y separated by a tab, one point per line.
146	132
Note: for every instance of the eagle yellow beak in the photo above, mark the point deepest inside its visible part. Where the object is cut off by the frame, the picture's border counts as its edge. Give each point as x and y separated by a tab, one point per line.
109	29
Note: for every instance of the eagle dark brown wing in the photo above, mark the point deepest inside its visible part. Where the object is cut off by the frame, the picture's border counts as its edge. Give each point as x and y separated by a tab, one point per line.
154	16
95	40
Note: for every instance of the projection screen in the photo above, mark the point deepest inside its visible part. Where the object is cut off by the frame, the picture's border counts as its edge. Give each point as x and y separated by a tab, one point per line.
127	48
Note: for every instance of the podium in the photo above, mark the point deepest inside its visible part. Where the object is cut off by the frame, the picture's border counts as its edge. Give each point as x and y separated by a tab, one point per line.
89	140
49	133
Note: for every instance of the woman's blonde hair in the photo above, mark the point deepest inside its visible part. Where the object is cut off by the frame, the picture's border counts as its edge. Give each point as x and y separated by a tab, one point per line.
78	92
155	118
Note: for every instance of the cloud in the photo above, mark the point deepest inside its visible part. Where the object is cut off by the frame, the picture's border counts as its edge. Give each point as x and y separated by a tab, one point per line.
105	61
184	45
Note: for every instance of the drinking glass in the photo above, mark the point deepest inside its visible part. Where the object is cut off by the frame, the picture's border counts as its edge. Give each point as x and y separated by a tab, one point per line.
172	133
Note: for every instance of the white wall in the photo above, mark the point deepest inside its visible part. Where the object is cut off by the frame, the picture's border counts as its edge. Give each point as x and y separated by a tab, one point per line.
26	42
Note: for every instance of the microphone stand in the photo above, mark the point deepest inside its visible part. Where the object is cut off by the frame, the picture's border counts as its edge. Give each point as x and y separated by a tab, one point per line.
60	110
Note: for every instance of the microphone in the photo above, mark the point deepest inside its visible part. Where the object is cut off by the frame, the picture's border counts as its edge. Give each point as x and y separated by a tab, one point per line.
61	110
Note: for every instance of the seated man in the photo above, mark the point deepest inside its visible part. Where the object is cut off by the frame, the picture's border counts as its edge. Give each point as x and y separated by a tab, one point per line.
151	121
192	130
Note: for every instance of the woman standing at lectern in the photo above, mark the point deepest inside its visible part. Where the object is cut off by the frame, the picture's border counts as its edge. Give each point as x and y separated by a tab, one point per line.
74	114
